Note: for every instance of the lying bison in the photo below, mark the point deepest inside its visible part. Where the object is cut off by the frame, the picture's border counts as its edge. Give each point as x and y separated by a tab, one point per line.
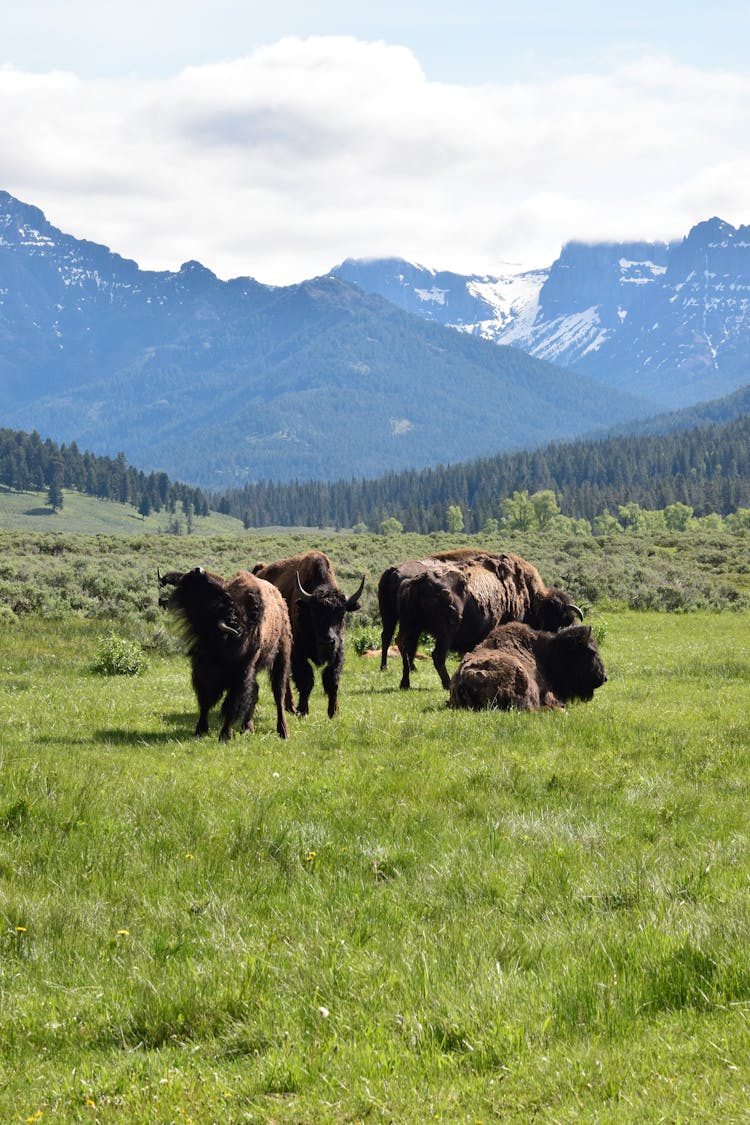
517	667
233	630
458	604
317	608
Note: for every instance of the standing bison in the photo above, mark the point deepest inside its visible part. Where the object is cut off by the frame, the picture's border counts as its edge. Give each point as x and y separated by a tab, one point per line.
459	603
317	609
390	584
517	667
233	630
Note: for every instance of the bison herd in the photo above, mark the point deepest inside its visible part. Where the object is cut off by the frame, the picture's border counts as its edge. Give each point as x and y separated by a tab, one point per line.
521	642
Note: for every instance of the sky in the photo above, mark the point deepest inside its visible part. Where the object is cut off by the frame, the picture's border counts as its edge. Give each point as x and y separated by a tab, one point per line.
275	140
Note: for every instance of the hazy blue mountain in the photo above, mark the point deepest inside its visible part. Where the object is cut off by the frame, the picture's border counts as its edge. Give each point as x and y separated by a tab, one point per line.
670	322
218	382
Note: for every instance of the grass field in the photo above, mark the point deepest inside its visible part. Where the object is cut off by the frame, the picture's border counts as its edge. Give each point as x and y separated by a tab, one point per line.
402	915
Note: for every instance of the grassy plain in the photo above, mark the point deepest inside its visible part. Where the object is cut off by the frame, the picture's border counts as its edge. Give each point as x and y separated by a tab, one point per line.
402	915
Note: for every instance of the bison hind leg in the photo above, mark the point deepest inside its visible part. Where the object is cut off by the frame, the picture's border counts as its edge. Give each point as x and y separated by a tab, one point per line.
247	721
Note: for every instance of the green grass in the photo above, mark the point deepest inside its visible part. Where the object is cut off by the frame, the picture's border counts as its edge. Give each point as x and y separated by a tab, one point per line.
406	914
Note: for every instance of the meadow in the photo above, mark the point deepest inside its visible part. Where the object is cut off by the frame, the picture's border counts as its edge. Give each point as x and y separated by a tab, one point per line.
406	914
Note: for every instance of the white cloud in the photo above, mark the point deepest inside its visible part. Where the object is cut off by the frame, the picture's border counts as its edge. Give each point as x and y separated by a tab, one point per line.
281	163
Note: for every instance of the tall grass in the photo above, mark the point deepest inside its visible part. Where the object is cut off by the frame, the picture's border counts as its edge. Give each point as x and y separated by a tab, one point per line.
405	914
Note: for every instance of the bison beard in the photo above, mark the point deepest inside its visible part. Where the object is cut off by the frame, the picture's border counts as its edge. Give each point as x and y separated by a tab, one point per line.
460	603
233	630
317	609
520	668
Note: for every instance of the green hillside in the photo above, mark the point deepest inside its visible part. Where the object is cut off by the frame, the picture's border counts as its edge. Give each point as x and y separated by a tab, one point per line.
28	511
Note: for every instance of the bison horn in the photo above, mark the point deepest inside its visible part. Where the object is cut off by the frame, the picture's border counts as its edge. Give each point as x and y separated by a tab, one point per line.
577	610
302	591
352	602
224	628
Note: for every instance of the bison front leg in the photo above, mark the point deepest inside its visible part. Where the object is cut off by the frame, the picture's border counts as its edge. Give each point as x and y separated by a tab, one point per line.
439	656
252	699
331	677
240	700
208	689
304	679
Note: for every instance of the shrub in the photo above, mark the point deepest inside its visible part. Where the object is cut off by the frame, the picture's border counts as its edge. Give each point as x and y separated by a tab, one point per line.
117	656
364	638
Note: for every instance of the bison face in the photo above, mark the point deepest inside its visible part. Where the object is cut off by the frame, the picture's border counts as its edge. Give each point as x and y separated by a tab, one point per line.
578	667
325	611
207	609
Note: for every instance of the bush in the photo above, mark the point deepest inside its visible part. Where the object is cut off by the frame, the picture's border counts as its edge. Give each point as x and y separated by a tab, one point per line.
117	656
365	638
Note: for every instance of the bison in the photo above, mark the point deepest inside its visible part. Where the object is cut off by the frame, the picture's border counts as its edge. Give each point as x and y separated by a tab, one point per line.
517	667
233	630
459	603
317	608
390	584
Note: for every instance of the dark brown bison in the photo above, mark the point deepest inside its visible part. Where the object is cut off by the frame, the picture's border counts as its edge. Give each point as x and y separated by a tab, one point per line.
233	630
526	669
390	584
317	608
459	603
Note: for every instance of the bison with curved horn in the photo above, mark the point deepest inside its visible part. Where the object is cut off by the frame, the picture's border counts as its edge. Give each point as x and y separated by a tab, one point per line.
317	609
233	630
458	604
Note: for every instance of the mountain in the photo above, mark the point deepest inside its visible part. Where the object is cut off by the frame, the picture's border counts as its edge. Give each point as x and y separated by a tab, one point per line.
669	322
220	382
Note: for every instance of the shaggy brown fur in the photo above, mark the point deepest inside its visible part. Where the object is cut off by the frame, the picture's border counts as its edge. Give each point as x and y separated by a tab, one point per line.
517	593
459	603
233	630
526	669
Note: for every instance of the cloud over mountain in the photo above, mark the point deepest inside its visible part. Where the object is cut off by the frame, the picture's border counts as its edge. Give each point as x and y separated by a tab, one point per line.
278	164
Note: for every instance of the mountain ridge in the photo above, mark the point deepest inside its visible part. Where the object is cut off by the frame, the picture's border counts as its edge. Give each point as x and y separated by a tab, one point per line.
218	382
667	321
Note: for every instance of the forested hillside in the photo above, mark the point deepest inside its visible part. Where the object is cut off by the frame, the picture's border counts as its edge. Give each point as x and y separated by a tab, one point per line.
29	463
707	468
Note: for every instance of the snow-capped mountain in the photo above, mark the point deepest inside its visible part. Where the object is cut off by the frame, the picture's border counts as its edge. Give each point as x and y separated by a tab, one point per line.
218	382
667	321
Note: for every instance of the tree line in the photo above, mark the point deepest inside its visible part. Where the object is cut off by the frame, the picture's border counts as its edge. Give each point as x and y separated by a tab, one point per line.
27	463
706	468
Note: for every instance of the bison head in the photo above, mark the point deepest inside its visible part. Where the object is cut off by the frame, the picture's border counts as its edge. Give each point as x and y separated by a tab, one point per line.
325	608
576	666
203	603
